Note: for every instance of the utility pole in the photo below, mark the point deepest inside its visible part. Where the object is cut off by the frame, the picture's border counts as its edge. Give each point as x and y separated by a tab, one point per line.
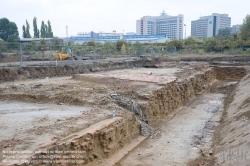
67	31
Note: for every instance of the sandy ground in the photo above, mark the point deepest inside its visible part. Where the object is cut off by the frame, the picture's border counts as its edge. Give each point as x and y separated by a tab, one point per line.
16	62
18	117
36	113
159	76
183	137
28	126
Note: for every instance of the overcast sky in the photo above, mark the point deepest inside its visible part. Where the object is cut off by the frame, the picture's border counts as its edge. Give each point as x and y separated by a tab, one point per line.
109	15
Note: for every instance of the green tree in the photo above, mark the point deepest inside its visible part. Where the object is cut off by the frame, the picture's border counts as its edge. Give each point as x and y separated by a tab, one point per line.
3	46
28	29
42	42
69	43
226	44
224	33
176	43
43	30
7	29
192	42
56	43
245	28
119	44
91	43
132	50
123	49
138	48
238	43
49	32
33	45
42	45
108	45
11	39
24	32
212	44
35	29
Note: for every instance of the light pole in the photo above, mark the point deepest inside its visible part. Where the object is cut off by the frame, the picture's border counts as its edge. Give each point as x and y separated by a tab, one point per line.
185	30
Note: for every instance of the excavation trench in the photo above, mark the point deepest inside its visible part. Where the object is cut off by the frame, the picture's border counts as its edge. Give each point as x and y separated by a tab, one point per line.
180	114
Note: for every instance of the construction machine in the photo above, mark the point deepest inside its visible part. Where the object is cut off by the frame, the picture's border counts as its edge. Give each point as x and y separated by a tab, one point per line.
61	56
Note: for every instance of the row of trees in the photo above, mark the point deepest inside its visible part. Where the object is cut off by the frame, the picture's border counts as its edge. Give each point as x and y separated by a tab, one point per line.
9	31
45	31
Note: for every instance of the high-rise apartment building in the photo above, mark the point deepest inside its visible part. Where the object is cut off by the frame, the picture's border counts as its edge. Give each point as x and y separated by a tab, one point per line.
208	26
172	26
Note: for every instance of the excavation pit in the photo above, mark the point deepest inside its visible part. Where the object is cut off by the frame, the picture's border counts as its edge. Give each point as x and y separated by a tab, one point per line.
75	113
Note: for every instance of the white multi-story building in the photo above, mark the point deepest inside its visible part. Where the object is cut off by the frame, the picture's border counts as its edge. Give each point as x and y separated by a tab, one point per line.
208	26
235	28
172	26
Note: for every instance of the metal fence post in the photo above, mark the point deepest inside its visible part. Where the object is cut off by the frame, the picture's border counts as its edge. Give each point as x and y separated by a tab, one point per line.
94	55
110	54
51	52
21	54
72	55
43	58
102	52
151	51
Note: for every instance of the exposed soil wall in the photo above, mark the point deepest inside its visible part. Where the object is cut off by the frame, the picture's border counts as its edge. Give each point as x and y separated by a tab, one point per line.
230	73
100	144
174	94
212	59
12	74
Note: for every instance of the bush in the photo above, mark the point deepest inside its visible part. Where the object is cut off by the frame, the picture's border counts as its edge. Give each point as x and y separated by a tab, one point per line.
3	47
200	51
119	44
212	45
176	43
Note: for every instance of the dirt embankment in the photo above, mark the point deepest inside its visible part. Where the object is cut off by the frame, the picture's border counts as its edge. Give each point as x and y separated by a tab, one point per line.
230	73
214	59
231	140
163	101
174	94
95	144
9	58
12	74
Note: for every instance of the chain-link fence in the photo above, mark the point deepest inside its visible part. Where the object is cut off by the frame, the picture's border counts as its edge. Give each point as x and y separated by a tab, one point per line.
48	54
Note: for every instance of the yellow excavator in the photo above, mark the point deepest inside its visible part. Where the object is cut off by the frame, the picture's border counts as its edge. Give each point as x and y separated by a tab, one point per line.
60	56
